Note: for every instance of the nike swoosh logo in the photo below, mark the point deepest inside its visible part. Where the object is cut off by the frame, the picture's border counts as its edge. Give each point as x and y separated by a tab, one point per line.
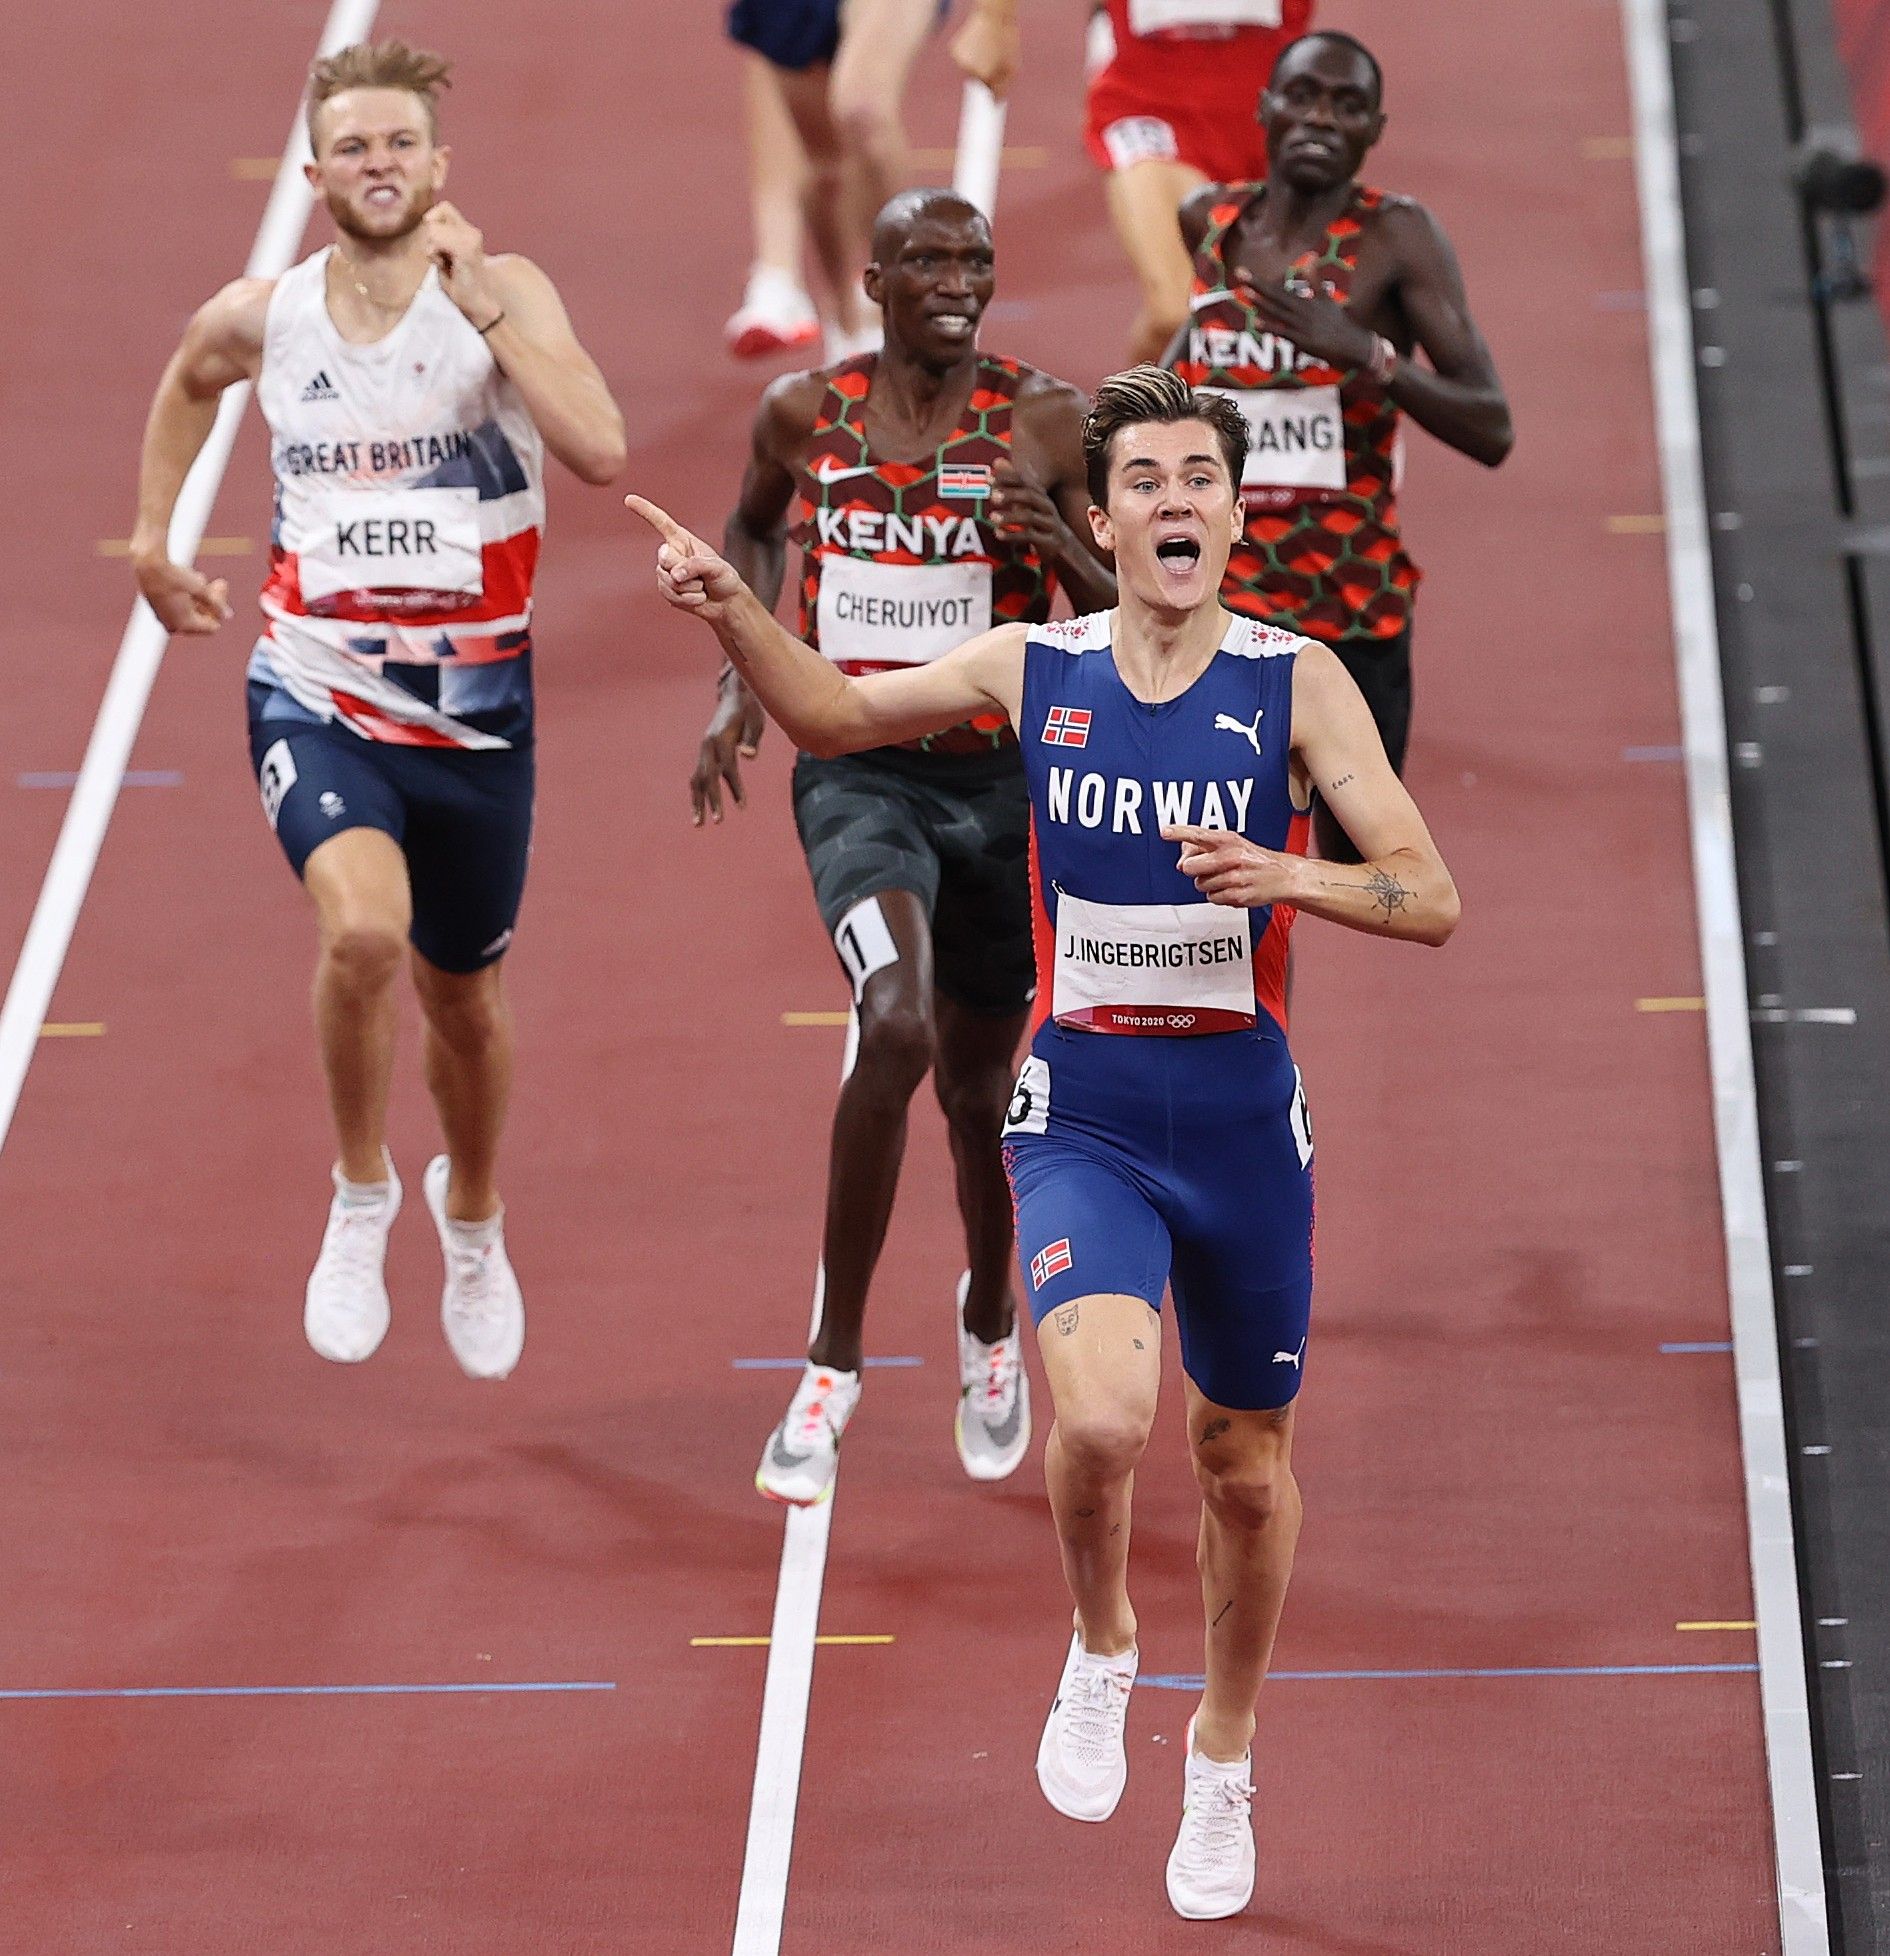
841	475
1005	1434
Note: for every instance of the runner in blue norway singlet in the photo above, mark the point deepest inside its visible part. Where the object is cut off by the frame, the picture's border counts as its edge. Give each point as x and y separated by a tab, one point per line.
1158	1135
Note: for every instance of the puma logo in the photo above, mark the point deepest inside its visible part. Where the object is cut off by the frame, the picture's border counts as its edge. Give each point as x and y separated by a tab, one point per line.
1226	723
1294	1359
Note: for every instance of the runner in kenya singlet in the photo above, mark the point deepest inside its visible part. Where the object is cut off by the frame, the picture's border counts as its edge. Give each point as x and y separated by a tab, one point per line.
899	563
1321	552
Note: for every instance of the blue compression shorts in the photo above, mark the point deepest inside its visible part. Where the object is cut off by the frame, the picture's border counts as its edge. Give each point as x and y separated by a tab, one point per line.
1139	1164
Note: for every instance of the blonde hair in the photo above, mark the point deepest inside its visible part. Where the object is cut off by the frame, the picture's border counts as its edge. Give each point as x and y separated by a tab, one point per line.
379	64
1145	394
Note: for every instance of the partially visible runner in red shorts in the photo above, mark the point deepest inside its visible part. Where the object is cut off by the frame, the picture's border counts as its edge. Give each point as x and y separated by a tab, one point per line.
1171	107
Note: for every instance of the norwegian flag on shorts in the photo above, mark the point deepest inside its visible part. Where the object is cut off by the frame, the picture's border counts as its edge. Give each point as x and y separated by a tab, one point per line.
1050	1261
1066	726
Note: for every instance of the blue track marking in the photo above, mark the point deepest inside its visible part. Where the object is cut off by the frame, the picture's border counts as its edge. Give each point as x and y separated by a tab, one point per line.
1181	1681
1723	1345
795	1364
305	1690
150	777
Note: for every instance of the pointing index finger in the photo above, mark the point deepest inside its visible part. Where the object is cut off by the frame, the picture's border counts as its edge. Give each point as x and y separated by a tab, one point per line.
660	520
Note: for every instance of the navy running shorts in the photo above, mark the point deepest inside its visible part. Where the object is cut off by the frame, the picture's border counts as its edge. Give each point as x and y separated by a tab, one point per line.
793	34
1144	1164
462	817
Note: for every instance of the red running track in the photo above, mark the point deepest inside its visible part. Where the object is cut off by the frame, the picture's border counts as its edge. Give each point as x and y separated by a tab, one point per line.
1501	1468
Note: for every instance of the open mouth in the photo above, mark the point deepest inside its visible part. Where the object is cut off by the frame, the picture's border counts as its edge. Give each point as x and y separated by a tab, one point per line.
383	194
954	324
1178	551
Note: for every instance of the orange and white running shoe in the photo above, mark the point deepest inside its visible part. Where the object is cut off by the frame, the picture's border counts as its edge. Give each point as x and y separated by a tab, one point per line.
993	1423
344	1310
802	1456
775	316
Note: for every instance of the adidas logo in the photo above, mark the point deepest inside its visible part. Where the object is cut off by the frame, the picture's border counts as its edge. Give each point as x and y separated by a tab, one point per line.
321	388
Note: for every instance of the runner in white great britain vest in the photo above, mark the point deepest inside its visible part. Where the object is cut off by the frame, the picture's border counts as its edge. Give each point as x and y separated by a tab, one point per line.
410	502
411	385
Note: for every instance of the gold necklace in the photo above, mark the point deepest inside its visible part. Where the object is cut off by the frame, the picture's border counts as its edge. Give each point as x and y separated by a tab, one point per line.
380	305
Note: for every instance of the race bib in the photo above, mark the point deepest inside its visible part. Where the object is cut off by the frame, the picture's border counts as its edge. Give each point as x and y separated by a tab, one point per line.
1173	969
1181	16
899	614
393	540
1295	436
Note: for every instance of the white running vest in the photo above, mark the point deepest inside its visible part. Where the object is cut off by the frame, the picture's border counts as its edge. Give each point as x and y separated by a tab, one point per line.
410	505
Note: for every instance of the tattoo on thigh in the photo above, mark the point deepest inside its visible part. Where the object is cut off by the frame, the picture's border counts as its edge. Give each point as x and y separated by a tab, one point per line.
1139	1346
1117	1529
1086	1514
1213	1430
1064	1320
1225	1607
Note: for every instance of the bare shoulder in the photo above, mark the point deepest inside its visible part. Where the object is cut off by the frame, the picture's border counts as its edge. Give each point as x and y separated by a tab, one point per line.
787	412
233	320
1051	412
1319	679
1197	213
1412	231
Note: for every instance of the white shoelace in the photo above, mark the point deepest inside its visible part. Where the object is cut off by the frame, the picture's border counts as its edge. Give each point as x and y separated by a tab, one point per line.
356	1239
1094	1703
1219	1815
475	1295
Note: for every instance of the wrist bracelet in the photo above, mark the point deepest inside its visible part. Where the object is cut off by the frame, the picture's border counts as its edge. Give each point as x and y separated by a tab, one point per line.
482	331
1383	362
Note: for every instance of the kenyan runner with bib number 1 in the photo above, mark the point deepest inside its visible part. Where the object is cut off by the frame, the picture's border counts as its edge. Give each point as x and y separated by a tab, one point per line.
1311	293
936	492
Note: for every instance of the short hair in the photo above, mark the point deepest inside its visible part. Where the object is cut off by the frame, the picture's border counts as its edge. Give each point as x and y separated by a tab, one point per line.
379	64
1145	394
1337	37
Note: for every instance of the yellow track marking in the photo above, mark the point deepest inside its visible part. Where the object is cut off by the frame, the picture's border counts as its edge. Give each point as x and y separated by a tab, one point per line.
1607	149
255	169
209	547
1716	1626
1670	1005
1020	156
814	1018
73	1029
1636	526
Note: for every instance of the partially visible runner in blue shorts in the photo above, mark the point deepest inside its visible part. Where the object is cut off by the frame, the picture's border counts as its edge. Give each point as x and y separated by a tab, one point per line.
1158	1133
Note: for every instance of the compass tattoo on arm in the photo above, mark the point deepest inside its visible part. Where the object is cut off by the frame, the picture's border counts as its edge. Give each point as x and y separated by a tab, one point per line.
1386	892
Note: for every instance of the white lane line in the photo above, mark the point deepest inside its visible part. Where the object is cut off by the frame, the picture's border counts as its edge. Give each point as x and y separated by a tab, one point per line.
980	148
141	650
769	1853
1800	1870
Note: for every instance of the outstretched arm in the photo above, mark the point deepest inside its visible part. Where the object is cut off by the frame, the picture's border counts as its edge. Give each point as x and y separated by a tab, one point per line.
820	708
221	346
1401	889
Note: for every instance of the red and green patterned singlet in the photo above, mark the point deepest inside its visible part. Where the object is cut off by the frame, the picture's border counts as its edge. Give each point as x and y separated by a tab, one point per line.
1321	553
898	563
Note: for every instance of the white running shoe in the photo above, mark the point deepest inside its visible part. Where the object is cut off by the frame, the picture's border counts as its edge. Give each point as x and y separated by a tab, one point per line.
1210	1871
1082	1763
482	1309
993	1422
775	316
345	1311
802	1456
